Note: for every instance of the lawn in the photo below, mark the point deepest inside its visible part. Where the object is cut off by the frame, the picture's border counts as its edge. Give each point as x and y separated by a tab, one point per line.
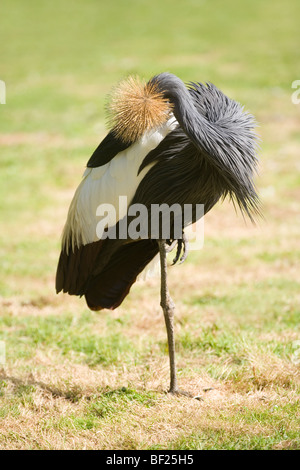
76	379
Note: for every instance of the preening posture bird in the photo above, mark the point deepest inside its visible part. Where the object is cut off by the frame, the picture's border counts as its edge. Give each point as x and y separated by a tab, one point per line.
169	143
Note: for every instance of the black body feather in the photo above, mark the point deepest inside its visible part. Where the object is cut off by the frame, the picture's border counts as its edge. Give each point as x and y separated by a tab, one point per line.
107	150
211	154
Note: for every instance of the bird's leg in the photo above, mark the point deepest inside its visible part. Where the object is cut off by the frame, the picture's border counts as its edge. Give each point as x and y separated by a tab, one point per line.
182	245
168	307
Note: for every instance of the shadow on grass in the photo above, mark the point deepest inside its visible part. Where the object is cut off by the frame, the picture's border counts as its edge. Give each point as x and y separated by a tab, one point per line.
22	385
75	393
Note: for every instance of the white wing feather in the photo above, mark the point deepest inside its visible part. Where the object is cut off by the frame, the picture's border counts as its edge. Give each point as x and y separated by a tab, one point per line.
104	185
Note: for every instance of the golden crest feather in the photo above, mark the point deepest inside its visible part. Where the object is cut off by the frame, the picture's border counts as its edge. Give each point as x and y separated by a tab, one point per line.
135	107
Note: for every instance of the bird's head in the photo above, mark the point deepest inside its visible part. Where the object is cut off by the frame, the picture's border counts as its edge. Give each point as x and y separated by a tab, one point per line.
135	107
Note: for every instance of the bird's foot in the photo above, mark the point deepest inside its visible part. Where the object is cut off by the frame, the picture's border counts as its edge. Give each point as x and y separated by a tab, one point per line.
180	392
182	247
170	245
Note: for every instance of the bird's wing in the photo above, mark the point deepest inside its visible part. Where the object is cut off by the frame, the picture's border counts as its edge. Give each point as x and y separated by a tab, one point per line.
107	150
105	185
83	251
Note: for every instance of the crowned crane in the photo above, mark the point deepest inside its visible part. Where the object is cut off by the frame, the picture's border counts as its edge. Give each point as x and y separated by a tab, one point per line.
169	143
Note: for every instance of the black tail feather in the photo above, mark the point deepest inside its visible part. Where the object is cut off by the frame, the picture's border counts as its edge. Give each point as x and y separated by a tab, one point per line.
109	288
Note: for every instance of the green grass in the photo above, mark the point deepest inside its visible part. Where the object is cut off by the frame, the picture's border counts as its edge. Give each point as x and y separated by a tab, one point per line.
75	379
